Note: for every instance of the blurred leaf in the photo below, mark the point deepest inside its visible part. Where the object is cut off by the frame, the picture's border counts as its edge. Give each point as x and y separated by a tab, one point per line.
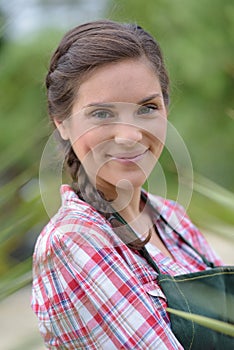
216	325
16	278
213	191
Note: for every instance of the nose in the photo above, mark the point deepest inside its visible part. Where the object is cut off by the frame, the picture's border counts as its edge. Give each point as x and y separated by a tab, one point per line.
127	135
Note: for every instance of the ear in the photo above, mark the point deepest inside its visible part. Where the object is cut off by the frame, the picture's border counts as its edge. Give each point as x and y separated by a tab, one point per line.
62	129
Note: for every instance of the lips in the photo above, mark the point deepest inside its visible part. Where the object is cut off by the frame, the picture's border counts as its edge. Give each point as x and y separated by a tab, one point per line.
129	157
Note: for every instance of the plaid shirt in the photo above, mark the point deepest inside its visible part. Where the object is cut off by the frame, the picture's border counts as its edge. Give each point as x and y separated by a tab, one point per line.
90	291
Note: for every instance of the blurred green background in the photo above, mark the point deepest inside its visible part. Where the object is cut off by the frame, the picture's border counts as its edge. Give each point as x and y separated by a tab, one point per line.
197	39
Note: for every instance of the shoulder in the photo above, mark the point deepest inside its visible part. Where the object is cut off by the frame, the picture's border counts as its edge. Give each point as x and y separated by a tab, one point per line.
177	224
76	224
168	209
174	217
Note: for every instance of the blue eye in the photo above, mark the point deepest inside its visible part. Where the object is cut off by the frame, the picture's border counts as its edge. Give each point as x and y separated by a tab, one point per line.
102	114
147	109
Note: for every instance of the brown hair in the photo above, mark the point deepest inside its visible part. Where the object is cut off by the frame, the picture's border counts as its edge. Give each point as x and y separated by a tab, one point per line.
81	50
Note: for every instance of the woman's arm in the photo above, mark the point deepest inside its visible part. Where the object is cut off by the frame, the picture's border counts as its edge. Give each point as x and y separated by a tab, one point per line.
87	297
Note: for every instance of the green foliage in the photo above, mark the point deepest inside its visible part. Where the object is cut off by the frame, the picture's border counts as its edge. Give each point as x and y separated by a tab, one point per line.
16	278
197	40
24	131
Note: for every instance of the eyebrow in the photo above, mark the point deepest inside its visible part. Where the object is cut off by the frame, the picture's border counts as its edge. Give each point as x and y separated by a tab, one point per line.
149	98
102	104
109	105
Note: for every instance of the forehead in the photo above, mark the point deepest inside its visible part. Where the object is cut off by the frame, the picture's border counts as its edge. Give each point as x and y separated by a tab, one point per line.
125	81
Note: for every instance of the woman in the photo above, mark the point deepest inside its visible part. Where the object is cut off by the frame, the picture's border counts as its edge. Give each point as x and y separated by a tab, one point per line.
94	285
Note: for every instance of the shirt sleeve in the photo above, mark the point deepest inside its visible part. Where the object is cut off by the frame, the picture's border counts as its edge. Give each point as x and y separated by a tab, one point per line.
87	297
193	235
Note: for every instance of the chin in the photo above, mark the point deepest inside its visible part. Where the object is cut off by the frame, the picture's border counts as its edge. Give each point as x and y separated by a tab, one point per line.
124	179
125	182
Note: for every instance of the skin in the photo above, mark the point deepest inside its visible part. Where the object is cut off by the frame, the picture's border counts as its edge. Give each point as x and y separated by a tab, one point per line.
118	153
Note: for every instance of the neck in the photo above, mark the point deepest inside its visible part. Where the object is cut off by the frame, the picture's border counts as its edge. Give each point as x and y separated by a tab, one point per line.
128	204
125	199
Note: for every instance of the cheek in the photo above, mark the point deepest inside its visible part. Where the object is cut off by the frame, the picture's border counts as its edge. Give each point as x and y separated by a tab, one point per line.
159	132
85	145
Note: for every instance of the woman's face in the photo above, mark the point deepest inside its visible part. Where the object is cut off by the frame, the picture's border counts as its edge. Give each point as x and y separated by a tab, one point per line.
118	124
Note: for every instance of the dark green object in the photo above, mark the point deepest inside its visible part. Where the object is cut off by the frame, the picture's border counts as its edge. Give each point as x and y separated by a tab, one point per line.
208	293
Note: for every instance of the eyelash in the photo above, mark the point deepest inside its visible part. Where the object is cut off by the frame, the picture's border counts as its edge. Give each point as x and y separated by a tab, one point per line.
143	110
96	114
151	108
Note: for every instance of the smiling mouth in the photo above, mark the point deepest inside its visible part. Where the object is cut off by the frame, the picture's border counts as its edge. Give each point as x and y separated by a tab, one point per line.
125	157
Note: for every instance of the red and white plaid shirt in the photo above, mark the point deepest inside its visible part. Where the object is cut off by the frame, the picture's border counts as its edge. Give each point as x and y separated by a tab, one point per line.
90	291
